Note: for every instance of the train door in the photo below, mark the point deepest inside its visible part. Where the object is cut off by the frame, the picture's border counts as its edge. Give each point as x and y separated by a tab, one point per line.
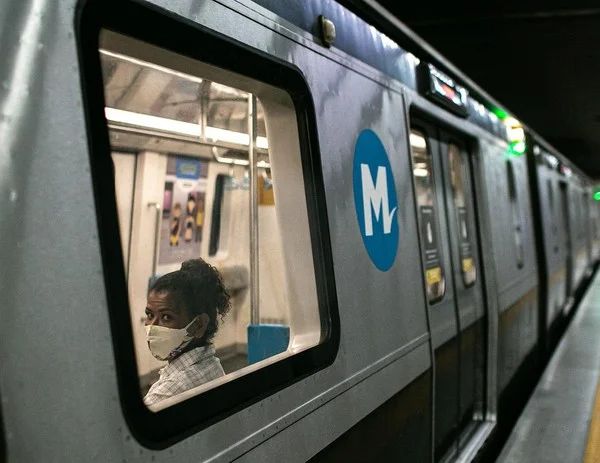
564	207
449	253
468	292
442	313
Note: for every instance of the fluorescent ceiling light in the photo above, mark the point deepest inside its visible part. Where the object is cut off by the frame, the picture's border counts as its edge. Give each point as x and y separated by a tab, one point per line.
152	122
183	128
418	172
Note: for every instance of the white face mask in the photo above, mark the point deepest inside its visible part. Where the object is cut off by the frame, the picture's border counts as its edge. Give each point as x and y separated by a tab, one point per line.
163	341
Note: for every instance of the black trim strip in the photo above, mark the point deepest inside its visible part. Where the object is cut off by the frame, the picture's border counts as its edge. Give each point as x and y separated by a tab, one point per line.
540	242
3	456
166	30
215	222
397	430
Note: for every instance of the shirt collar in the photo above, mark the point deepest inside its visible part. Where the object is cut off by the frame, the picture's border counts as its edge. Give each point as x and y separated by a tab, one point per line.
187	359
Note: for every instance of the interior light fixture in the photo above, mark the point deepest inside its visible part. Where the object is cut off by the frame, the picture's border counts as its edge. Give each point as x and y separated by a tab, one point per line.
164	124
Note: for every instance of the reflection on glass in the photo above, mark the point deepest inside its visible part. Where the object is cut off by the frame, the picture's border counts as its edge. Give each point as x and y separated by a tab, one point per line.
139	87
459	191
516	214
423	180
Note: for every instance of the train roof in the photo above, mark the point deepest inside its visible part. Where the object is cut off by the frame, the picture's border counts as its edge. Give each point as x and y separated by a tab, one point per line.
368	32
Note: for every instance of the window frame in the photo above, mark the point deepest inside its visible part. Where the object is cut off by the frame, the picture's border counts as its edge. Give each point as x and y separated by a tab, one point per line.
155	26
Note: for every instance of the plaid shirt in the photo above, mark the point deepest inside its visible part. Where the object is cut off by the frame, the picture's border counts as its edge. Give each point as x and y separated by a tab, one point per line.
191	369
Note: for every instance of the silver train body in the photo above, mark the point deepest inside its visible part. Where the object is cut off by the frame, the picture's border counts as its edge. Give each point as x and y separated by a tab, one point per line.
408	369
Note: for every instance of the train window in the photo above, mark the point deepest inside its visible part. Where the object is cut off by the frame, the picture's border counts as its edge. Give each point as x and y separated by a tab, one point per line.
584	215
553	224
426	204
516	213
224	178
575	215
458	165
213	225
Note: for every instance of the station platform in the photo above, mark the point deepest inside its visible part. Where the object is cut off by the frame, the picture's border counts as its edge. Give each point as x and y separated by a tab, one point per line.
561	421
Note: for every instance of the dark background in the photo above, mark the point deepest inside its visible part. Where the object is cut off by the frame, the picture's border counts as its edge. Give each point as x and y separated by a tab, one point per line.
539	59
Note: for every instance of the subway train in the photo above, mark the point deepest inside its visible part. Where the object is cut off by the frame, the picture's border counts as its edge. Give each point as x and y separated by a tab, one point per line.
401	253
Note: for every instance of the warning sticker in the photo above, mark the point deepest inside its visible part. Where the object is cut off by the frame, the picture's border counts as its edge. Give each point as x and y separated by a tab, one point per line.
465	247
433	275
429	237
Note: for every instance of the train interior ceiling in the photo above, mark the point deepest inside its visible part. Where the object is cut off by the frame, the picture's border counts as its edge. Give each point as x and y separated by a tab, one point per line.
182	142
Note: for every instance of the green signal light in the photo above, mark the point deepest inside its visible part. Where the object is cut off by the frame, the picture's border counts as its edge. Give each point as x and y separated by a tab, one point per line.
597	196
500	113
516	148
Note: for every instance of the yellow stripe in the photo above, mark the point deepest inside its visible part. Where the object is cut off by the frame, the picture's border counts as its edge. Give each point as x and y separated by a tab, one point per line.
592	449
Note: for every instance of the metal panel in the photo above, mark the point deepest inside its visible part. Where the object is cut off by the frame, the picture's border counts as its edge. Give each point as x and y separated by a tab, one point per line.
553	241
59	333
485	146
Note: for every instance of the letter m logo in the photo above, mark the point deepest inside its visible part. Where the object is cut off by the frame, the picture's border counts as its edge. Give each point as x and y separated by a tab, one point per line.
375	199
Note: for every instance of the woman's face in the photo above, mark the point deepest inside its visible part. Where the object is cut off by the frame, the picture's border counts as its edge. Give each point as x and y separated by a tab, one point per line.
160	311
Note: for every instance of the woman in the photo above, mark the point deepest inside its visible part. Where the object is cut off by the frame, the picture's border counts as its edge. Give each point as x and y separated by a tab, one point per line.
181	320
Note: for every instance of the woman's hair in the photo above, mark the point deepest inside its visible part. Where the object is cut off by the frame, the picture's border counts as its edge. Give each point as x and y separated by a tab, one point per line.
198	288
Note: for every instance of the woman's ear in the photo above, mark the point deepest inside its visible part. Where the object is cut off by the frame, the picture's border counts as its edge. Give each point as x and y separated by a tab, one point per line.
199	327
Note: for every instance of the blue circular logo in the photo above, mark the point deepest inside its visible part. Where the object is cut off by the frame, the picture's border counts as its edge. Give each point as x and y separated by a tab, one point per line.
375	200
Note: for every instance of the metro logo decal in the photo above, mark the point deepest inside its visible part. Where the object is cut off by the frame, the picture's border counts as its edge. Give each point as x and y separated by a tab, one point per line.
375	200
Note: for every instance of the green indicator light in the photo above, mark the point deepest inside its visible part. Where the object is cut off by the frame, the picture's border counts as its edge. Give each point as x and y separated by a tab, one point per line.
500	113
516	148
597	196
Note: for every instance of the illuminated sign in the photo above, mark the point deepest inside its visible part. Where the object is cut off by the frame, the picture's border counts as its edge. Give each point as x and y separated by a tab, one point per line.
516	136
440	88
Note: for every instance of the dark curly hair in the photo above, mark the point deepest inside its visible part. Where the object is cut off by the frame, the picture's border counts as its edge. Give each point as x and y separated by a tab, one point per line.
197	288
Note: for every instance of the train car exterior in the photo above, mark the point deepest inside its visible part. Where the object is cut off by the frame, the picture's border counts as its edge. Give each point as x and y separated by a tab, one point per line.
370	219
553	180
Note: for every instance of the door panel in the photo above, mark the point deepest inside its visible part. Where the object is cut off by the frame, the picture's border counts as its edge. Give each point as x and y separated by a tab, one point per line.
435	261
449	248
462	234
564	207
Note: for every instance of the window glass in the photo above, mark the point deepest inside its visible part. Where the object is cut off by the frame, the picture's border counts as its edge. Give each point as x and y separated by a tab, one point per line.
459	193
213	220
553	223
426	206
550	197
515	212
584	215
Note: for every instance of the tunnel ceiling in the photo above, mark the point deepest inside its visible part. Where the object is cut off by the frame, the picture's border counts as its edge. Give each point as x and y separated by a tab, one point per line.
540	59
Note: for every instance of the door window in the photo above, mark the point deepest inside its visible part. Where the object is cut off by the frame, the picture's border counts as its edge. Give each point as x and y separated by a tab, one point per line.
426	206
456	160
517	225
